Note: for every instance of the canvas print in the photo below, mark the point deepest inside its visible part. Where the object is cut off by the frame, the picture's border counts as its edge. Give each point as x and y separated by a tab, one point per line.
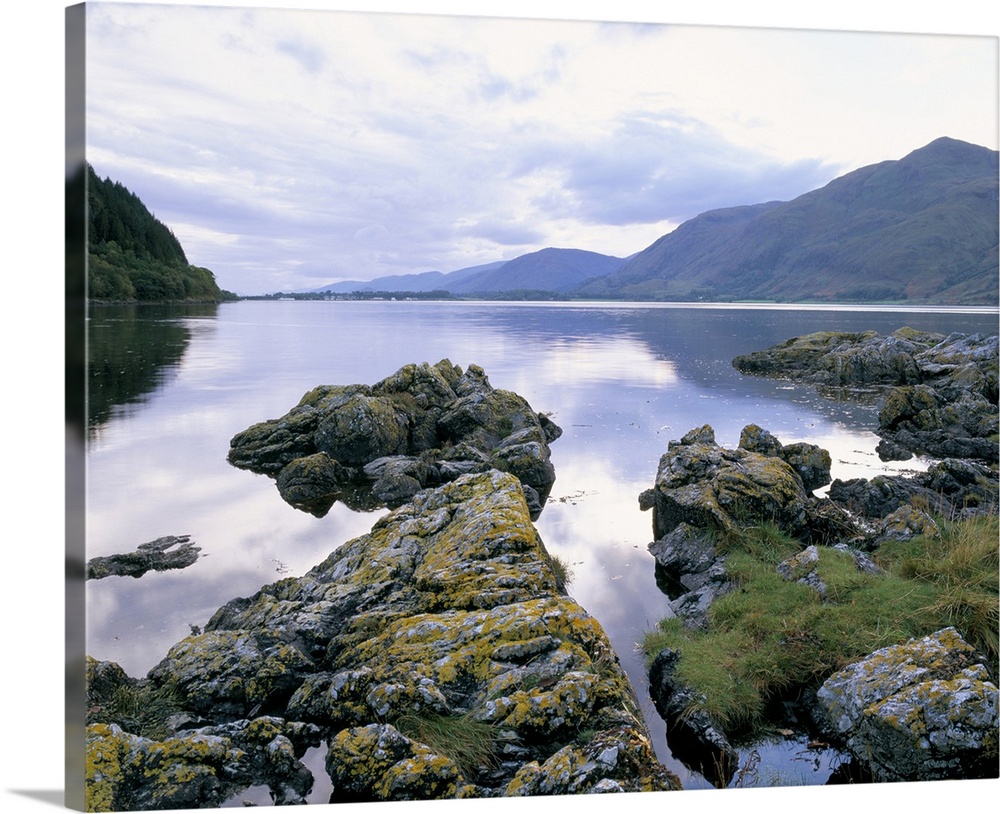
472	407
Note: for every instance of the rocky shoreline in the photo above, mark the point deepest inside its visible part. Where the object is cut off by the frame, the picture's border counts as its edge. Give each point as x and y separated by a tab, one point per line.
939	393
704	494
920	710
436	657
439	656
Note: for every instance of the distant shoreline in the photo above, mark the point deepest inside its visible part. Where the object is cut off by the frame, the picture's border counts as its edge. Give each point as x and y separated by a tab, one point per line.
598	303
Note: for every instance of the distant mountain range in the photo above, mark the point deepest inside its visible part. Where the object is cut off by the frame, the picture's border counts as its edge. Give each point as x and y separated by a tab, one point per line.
921	229
555	270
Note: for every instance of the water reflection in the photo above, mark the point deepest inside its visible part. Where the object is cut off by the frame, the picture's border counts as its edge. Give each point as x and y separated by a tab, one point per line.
132	350
174	385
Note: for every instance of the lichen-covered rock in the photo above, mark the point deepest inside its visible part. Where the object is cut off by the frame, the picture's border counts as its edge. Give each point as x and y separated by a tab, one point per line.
446	614
924	710
270	446
313	483
843	358
377	762
756	439
943	423
691	571
227	674
700	483
810	462
941	394
801	567
704	492
594	767
907	522
103	679
685	550
126	772
378	445
396	478
197	768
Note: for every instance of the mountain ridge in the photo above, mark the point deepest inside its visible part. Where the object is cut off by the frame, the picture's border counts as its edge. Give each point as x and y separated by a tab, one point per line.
922	229
550	269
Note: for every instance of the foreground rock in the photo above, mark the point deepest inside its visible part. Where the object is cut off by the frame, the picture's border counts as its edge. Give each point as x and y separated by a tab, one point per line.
941	394
694	737
704	485
162	554
705	496
444	623
924	710
379	445
704	492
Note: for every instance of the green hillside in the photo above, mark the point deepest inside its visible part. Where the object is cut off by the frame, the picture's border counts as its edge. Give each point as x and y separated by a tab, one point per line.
133	257
922	229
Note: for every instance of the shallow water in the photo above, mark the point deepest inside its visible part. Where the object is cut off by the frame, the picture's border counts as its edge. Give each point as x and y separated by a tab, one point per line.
170	386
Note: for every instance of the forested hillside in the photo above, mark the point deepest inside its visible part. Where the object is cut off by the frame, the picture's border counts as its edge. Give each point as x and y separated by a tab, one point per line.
133	257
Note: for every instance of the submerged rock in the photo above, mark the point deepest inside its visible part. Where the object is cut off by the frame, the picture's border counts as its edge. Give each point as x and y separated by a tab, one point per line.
442	625
924	710
941	394
379	445
162	554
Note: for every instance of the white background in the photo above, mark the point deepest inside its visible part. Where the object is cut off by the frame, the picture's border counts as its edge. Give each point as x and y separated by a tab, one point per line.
31	705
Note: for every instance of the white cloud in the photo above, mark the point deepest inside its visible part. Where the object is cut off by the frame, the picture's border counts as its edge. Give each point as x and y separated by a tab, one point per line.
450	141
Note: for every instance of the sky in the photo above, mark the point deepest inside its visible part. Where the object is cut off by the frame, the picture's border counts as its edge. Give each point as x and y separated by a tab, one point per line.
288	149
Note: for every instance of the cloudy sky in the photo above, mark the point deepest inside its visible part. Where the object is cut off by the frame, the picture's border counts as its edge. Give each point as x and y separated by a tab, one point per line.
289	149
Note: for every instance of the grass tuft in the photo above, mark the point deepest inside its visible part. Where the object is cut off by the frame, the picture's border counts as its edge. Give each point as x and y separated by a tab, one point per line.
141	709
770	638
562	571
963	566
466	741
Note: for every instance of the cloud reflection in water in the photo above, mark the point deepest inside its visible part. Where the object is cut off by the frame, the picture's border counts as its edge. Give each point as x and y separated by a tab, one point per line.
621	382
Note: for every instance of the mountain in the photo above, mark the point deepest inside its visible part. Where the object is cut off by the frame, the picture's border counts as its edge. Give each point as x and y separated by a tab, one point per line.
919	229
425	281
552	270
132	256
558	270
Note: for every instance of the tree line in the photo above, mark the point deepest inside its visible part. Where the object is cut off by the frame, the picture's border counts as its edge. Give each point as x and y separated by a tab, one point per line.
133	257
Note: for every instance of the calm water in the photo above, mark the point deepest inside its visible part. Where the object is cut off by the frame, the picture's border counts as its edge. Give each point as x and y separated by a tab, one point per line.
170	386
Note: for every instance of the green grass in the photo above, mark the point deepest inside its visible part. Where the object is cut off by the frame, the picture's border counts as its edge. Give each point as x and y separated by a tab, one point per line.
140	709
770	638
462	738
562	571
963	566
